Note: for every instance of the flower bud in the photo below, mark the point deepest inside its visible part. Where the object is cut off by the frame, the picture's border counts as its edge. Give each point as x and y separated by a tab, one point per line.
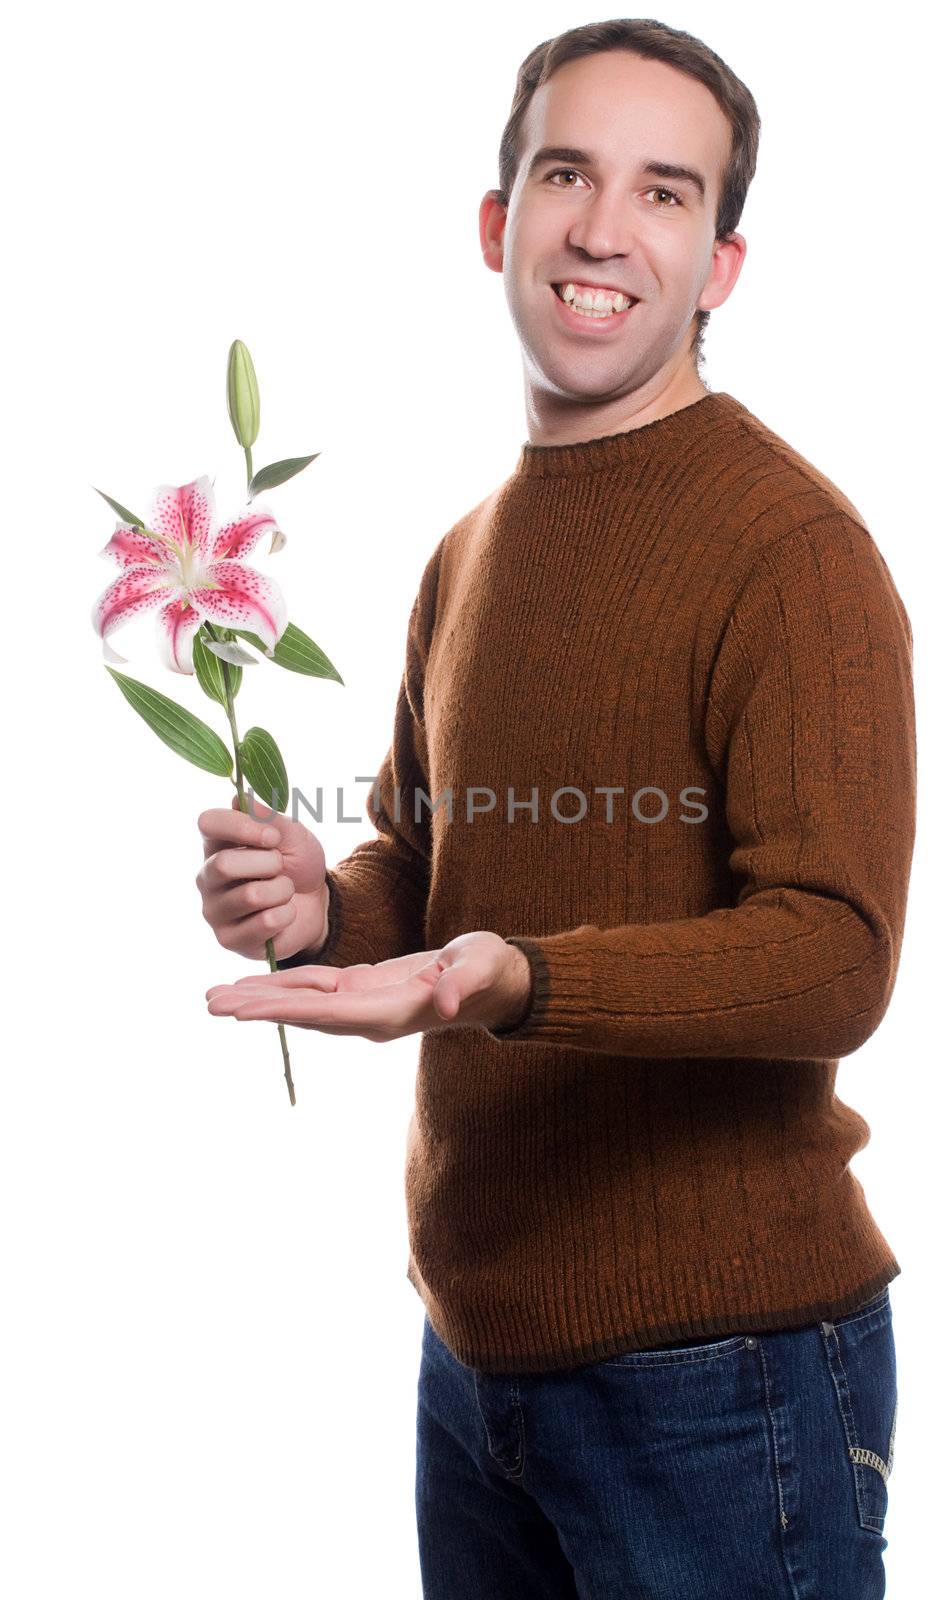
243	396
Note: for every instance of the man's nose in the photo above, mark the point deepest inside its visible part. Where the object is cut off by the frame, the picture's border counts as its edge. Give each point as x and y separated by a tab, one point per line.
605	226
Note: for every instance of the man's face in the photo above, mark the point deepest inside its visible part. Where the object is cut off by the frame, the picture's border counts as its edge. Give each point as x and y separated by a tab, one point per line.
605	219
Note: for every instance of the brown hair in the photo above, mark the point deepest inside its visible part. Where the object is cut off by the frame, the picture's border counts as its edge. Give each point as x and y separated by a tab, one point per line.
643	36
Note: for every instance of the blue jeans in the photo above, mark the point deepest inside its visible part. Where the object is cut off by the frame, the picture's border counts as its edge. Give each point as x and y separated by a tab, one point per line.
748	1467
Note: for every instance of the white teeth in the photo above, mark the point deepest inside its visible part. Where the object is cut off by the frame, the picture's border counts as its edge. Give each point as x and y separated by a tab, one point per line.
596	303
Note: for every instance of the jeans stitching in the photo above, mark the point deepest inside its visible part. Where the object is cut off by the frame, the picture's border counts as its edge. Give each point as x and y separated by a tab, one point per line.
516	1470
877	1303
648	1358
895	1418
858	1454
868	1458
784	1519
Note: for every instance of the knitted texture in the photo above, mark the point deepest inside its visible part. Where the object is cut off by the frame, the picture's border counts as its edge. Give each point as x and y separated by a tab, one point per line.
691	616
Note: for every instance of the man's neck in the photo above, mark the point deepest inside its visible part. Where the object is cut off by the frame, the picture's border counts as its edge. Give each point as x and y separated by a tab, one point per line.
552	421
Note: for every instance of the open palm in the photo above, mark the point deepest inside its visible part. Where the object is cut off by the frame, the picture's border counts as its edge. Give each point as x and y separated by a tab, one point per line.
475	980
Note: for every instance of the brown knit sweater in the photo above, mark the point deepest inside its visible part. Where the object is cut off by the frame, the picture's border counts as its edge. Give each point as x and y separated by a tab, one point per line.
692	616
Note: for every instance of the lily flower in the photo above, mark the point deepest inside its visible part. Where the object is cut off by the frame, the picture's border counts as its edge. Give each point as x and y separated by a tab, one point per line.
183	564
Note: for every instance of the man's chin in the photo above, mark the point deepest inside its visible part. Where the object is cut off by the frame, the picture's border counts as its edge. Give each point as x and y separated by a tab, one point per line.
581	379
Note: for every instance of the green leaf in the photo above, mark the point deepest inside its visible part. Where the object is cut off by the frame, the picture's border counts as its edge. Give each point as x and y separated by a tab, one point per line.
120	510
279	472
187	735
263	764
296	651
209	670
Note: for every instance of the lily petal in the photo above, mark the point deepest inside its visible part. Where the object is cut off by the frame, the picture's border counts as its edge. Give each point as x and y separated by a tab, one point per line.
230	650
176	625
245	599
278	541
185	514
131	548
239	537
138	589
108	654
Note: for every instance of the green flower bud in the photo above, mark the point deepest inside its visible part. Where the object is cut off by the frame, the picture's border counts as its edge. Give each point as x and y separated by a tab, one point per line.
243	396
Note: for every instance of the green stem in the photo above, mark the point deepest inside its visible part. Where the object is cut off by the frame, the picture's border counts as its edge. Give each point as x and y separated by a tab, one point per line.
242	801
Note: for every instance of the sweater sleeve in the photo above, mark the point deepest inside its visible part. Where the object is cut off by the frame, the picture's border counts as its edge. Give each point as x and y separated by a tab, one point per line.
378	895
809	727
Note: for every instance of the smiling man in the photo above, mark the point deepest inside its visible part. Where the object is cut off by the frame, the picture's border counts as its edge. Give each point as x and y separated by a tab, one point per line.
664	676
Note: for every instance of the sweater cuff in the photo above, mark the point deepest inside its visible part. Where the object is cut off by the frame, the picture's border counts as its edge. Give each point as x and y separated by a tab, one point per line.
539	991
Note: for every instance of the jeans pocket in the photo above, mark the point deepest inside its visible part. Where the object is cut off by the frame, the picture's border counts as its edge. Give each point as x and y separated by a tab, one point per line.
860	1351
705	1349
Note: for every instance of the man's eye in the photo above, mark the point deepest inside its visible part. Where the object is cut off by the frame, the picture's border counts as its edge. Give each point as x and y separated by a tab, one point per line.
676	197
567	171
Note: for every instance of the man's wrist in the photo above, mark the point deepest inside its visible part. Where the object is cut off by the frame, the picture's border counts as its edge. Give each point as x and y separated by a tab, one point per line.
517	988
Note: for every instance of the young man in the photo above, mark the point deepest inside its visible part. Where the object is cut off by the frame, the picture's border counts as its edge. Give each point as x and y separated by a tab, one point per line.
644	839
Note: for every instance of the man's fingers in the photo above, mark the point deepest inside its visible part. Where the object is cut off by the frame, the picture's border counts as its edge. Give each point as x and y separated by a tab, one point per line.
228	866
234	901
248	935
313	976
220	828
384	1009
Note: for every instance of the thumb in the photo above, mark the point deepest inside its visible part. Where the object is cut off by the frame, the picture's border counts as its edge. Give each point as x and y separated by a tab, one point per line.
256	809
447	994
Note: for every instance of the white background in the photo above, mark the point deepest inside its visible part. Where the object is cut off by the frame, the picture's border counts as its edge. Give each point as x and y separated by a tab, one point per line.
211	1347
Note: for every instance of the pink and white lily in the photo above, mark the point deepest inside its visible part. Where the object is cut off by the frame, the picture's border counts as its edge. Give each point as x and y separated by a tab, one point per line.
181	563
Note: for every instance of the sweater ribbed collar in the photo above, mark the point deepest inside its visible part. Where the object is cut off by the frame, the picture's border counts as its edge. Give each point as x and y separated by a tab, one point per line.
614	450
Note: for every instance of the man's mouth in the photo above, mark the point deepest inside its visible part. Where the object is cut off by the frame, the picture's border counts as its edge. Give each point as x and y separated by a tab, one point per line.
592	303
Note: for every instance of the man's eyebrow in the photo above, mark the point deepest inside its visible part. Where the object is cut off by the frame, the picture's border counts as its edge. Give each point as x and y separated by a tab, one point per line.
654	169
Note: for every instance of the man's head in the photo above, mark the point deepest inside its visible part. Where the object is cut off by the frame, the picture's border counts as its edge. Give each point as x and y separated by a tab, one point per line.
628	109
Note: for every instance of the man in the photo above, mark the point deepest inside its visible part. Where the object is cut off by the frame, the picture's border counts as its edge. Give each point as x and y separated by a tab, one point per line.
644	838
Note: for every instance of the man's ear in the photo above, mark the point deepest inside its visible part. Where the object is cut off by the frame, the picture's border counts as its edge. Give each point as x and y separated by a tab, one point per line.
726	263
492	220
